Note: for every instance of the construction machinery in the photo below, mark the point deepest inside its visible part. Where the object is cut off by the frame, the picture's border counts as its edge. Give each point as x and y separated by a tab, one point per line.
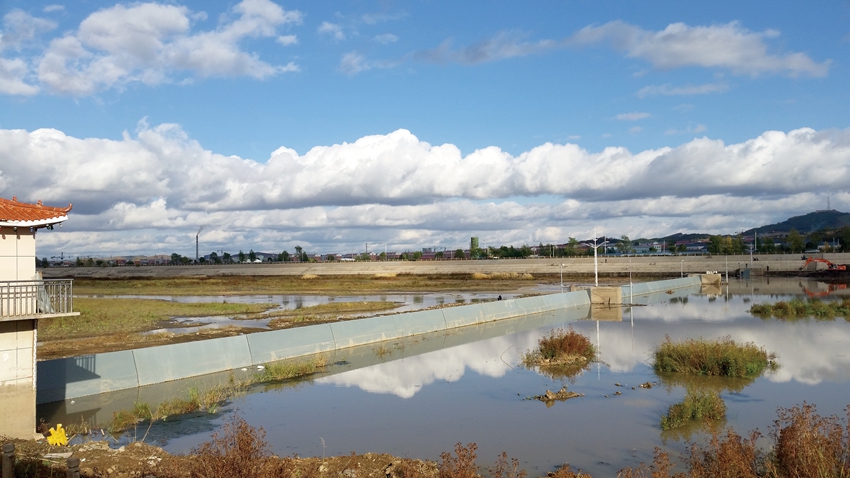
829	265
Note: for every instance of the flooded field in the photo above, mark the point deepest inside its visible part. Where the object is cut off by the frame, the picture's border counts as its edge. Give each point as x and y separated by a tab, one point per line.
417	398
406	303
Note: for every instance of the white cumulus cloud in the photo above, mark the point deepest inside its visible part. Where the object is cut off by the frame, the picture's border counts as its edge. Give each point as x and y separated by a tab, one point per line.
386	38
728	46
161	183
633	116
331	29
670	90
148	43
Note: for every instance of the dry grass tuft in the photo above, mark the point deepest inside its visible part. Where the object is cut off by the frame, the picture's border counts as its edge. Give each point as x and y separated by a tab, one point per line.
561	347
309	277
385	275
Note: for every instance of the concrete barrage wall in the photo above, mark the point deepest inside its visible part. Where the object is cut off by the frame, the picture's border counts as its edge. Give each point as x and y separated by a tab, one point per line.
93	374
646	288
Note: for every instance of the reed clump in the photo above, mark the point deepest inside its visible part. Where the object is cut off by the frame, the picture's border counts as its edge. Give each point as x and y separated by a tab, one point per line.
561	347
698	405
720	357
796	309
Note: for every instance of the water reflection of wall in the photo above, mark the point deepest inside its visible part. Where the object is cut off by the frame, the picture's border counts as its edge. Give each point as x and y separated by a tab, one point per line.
495	348
808	351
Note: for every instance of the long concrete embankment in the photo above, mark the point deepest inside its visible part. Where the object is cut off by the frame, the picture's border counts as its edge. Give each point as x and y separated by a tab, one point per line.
665	266
93	374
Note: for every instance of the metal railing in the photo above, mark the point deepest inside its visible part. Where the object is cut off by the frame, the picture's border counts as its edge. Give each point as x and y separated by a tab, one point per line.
31	298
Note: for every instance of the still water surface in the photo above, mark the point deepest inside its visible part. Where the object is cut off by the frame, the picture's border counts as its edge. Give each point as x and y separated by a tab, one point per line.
406	302
420	404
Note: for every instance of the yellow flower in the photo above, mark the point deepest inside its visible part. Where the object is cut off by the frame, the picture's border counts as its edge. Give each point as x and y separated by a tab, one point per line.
57	436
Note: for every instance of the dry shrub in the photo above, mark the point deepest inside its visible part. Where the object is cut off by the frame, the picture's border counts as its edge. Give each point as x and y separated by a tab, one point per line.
409	468
507	468
240	451
807	444
309	276
660	468
732	455
479	276
565	471
564	346
527	276
462	465
385	275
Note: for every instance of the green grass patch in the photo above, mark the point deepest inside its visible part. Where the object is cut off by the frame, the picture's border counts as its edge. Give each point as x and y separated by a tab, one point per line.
721	357
102	316
277	371
698	405
796	309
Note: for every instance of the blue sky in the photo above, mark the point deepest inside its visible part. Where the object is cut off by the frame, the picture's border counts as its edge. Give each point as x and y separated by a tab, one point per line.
419	124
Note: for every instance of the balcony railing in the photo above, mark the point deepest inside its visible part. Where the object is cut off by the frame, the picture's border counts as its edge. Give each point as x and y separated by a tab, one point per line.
36	298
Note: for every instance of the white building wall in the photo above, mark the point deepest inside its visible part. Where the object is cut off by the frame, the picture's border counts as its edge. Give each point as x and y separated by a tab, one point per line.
17	340
17	254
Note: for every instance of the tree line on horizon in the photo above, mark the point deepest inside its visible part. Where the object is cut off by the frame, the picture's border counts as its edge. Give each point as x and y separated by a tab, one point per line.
828	240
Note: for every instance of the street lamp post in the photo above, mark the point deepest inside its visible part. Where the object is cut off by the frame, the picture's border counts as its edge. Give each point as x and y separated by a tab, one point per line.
562	278
682	274
595	259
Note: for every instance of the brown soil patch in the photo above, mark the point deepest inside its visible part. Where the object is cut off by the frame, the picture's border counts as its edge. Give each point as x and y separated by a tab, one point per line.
137	460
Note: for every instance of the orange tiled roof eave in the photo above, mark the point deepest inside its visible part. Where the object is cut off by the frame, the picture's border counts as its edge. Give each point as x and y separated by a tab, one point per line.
14	213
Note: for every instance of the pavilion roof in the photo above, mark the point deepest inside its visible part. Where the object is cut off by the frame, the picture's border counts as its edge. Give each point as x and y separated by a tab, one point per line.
14	213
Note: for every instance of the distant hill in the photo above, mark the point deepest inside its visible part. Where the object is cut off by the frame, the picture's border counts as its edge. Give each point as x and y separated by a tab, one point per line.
807	223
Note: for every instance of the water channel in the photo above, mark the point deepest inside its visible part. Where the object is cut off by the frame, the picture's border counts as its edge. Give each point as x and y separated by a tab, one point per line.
418	397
